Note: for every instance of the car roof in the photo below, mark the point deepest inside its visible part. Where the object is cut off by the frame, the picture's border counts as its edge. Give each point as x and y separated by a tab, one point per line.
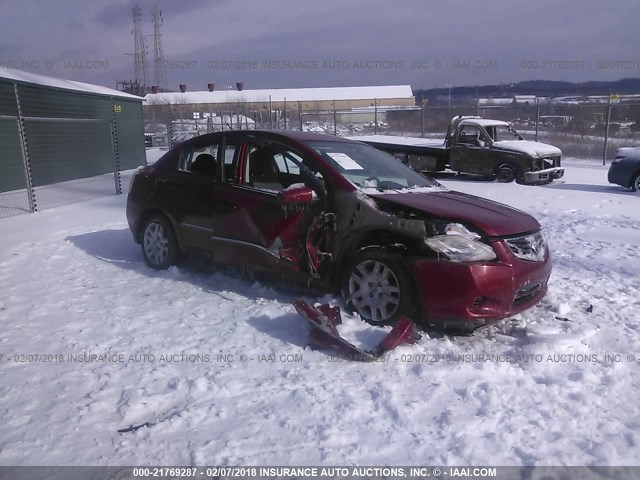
270	134
306	136
633	152
483	122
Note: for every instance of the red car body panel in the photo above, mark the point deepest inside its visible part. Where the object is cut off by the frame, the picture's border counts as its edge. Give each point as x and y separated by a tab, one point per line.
311	239
494	218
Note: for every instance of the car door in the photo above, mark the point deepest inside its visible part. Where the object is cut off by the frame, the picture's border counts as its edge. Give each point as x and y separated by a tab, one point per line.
255	229
471	153
187	193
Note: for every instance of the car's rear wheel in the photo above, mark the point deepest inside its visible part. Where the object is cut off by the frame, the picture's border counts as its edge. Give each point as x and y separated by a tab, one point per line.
635	183
159	245
378	286
506	173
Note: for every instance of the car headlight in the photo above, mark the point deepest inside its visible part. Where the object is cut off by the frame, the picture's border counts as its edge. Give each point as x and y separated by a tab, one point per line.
532	247
460	248
459	244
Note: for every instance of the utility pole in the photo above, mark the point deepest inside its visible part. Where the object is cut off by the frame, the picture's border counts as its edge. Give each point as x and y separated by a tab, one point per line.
537	115
423	102
606	131
285	113
159	68
375	116
140	52
137	85
300	116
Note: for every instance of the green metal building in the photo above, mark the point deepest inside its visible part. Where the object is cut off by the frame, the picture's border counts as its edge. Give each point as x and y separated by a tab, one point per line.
54	131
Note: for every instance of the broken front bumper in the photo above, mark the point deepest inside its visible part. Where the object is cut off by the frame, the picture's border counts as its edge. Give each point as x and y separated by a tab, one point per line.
478	293
547	174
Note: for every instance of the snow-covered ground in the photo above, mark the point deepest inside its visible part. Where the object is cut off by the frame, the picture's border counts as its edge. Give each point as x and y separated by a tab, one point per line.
217	364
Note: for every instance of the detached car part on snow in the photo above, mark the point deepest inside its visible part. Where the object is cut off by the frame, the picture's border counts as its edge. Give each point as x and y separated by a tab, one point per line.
324	333
339	215
479	146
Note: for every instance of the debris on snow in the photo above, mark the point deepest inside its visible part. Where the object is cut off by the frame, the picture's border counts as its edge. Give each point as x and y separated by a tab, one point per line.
133	428
324	334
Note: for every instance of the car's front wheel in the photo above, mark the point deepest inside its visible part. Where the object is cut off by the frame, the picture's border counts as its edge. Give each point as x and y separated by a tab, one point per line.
378	286
159	245
635	183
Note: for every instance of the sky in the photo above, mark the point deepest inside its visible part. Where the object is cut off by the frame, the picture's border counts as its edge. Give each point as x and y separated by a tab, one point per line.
305	43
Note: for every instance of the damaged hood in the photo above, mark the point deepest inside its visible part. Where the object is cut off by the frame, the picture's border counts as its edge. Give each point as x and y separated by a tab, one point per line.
494	218
533	149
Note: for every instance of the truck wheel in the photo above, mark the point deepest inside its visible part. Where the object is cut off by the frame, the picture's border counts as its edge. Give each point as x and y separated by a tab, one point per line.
506	174
377	285
159	245
440	165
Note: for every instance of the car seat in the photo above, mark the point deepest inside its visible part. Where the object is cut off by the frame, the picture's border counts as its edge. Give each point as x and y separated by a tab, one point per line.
205	163
263	172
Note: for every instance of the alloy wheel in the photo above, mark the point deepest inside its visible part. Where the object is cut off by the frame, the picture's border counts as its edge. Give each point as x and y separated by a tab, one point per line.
156	243
374	291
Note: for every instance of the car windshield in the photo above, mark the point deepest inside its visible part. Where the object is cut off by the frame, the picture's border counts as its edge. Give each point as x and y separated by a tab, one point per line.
367	167
502	132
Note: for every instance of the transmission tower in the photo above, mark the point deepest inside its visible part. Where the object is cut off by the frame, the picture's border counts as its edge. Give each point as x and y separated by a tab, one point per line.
140	53
159	68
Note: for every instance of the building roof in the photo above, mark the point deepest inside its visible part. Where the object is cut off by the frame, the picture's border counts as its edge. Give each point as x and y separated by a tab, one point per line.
280	94
34	78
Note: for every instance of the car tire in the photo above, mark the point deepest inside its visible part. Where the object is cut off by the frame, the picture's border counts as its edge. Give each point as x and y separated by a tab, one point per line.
159	244
377	285
506	173
635	183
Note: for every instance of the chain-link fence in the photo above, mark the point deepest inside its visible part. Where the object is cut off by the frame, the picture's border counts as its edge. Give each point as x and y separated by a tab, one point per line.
59	147
166	125
580	129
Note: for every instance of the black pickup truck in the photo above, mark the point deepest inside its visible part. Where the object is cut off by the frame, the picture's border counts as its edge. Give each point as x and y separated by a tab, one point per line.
479	146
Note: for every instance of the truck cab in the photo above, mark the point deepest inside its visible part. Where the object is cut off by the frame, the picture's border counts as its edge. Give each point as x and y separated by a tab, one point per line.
493	148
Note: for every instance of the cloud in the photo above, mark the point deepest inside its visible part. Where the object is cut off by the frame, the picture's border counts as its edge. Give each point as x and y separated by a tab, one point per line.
505	32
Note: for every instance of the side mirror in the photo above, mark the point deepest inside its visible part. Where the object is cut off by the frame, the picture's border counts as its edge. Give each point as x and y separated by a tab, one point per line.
296	194
312	181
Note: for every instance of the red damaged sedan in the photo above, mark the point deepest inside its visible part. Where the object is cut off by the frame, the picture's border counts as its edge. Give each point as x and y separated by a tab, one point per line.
340	215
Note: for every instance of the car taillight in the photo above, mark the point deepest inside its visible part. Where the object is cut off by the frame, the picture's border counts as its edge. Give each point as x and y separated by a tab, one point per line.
133	177
618	159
